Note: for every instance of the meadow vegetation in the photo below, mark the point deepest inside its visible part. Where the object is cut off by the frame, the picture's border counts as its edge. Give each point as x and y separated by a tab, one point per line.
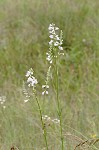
24	41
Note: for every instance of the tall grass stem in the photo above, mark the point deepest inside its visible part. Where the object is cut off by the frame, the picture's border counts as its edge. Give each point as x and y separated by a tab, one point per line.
43	127
58	102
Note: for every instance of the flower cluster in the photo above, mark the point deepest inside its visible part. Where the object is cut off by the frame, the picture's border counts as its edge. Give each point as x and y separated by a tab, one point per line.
49	119
55	49
25	93
32	81
56	42
46	86
2	101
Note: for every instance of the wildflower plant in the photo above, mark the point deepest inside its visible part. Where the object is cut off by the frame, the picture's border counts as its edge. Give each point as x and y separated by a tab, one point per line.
55	49
31	80
55	43
32	83
52	56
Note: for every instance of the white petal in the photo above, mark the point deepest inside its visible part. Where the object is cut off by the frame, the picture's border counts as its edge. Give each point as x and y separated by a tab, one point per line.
4	107
46	92
51	62
28	74
47	86
56	43
25	101
50	43
56	28
43	86
60	48
51	36
43	93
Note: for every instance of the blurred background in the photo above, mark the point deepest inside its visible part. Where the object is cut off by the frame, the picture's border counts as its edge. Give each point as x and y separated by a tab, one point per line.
23	44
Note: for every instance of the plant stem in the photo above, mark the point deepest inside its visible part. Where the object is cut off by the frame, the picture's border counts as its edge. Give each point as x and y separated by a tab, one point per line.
43	127
58	103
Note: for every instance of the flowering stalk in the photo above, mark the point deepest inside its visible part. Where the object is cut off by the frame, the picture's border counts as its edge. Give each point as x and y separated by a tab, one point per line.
58	102
41	118
46	86
55	49
32	81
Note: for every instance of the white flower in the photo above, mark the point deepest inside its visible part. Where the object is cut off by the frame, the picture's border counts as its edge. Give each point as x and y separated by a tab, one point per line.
4	107
47	118
51	27
52	32
43	86
46	87
29	79
56	28
25	101
57	37
29	73
83	40
46	92
43	92
2	101
49	57
56	120
51	62
32	81
51	36
55	48
60	48
51	42
56	43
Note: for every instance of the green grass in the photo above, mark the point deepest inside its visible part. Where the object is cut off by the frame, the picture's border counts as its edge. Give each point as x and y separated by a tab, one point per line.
23	44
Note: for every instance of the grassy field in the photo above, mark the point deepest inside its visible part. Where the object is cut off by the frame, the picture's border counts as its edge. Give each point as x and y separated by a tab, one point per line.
24	41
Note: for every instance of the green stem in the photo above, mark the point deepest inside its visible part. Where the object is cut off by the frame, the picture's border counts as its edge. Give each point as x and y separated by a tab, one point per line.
58	103
43	127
